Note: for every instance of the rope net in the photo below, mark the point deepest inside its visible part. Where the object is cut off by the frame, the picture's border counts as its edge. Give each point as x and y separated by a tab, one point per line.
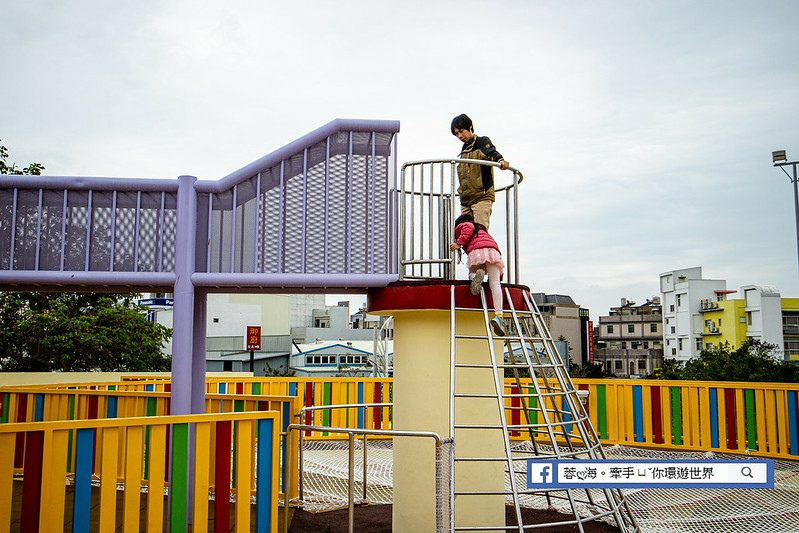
325	484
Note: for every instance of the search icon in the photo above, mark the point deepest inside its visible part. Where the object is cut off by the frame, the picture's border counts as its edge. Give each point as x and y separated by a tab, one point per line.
747	472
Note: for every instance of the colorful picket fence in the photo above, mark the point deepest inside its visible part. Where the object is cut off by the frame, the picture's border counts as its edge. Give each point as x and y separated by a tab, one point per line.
93	459
34	404
755	418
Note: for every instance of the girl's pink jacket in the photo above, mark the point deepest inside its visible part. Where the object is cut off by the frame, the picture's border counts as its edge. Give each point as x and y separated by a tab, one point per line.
481	240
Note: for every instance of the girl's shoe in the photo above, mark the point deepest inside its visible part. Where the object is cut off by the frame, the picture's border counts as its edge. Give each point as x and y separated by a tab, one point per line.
477	281
498	326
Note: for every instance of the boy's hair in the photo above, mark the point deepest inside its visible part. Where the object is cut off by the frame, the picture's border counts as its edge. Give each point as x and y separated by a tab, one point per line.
461	122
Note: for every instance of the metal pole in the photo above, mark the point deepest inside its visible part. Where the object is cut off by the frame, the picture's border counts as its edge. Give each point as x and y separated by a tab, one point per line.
350	495
796	208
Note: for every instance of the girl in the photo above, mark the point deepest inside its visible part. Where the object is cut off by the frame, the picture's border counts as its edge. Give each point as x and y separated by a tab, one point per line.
483	256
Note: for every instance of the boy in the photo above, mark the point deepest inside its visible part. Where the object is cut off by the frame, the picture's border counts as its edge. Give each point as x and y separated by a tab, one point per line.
476	182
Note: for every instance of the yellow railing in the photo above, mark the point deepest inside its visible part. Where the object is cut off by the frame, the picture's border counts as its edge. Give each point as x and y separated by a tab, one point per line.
75	455
730	417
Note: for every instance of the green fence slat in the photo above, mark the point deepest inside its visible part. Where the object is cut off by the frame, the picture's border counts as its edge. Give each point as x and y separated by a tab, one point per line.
676	417
751	419
601	411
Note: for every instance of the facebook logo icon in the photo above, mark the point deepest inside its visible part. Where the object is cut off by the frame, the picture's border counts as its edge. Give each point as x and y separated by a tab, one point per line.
540	473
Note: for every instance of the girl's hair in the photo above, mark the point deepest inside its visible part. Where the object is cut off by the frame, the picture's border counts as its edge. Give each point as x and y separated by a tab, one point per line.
466	217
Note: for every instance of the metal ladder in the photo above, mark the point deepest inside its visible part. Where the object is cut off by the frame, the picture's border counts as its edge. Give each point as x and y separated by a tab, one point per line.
548	419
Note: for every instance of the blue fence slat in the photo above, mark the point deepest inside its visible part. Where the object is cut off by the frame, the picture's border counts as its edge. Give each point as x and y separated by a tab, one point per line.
263	469
714	418
81	510
638	413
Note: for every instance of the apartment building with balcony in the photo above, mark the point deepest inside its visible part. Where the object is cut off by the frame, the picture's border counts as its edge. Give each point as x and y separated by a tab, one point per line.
630	338
761	314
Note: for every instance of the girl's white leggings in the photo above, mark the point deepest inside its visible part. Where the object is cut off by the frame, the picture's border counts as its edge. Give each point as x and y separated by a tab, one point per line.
493	272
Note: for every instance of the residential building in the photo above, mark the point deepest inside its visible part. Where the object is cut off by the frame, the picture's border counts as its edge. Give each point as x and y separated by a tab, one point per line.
630	338
703	314
563	319
682	293
760	314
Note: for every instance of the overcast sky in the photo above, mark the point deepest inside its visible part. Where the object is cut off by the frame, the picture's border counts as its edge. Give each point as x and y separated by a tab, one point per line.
644	130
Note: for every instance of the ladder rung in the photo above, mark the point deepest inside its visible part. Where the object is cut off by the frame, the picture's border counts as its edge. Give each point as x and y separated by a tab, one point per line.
477	426
483	459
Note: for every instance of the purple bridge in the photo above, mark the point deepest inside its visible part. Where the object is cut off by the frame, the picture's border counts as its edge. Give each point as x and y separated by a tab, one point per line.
319	214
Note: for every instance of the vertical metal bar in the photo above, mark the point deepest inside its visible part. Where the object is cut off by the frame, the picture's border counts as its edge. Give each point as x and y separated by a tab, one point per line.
161	234
282	222
516	227
508	236
287	484
113	229
374	209
327	204
257	242
401	224
210	227
412	220
64	230
349	204
453	166
136	219
304	208
38	231
351	489
443	223
233	229
421	218
452	361
364	464
393	261
430	218
88	233
796	207
13	228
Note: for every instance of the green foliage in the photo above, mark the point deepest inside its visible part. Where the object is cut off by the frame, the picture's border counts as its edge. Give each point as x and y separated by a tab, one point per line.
78	332
34	169
589	370
278	372
70	332
753	361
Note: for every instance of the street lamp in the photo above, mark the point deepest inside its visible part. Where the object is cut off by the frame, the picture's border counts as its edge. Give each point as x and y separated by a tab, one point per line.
781	160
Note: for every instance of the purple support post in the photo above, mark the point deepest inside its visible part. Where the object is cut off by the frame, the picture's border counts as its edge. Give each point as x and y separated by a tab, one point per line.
198	351
183	311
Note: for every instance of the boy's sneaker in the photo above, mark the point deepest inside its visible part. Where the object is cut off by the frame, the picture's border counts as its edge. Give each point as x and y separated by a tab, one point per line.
498	326
477	282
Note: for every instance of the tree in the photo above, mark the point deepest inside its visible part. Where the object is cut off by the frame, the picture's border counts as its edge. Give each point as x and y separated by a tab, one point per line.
34	169
42	332
78	332
753	361
589	370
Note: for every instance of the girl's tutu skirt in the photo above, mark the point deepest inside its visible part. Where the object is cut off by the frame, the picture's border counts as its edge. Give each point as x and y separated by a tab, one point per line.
485	255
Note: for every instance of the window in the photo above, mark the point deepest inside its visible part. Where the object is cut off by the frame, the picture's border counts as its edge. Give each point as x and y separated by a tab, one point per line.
749	318
709	346
642	364
673	329
680	343
671	308
623	345
719	322
653	328
618	364
610	329
699	343
674	351
352	359
630	328
646	345
679	301
227	366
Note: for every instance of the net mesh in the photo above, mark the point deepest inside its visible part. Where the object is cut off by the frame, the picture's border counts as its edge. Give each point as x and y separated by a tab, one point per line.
774	510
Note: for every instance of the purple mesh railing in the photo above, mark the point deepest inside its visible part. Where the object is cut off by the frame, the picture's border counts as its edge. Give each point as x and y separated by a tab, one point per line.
317	214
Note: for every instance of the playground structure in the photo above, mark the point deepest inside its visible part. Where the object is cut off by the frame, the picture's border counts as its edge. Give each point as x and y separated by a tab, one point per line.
254	231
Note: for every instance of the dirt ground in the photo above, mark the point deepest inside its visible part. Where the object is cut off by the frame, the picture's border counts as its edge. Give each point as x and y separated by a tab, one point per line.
377	519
